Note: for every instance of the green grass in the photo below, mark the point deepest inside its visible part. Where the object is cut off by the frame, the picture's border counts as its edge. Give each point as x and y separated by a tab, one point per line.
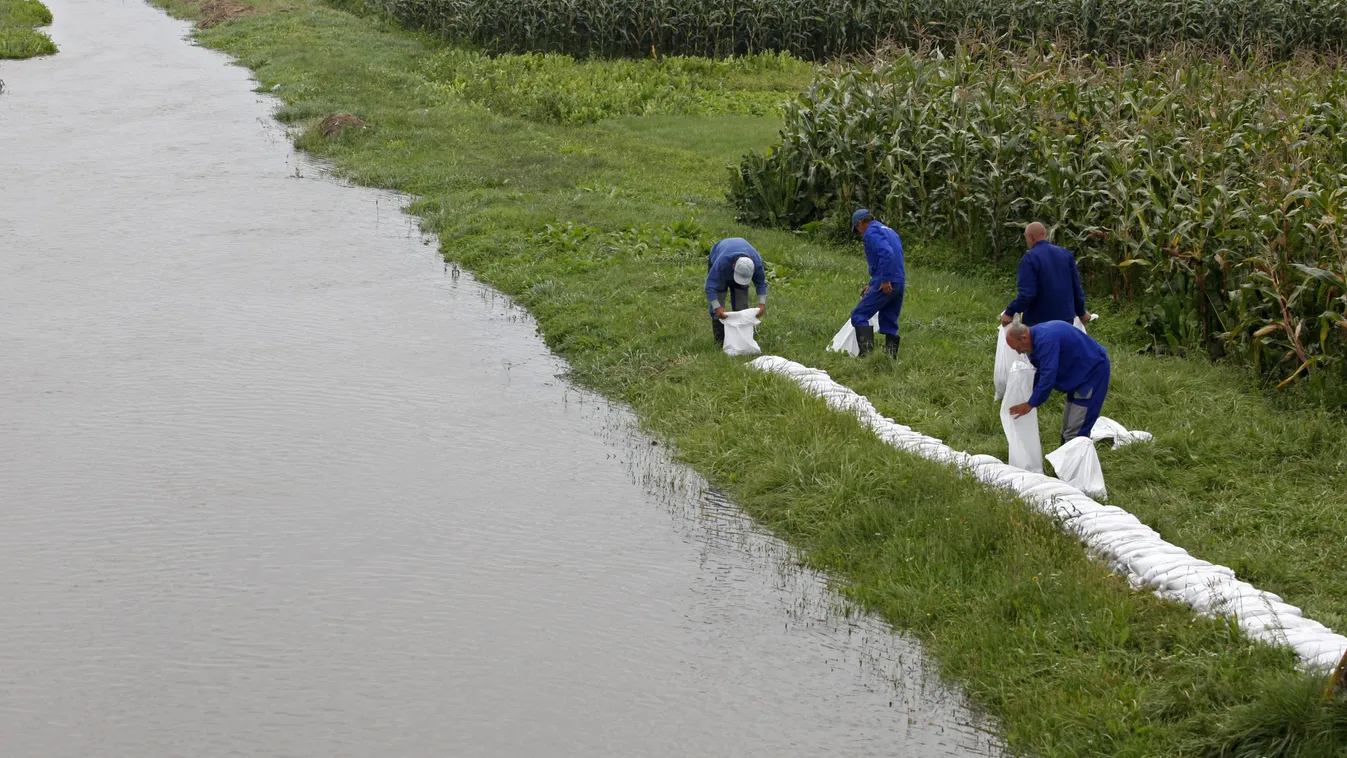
19	37
559	89
600	231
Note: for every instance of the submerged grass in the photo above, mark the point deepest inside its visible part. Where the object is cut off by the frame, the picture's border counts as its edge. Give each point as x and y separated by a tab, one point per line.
600	231
19	37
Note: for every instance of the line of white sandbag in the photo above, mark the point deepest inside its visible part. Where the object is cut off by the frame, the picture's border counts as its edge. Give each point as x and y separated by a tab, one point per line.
1110	534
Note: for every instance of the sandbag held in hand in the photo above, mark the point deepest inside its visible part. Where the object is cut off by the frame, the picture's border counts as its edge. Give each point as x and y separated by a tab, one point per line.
1026	451
739	332
1005	358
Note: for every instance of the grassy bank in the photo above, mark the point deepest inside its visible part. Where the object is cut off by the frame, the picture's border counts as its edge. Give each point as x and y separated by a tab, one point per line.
599	229
19	35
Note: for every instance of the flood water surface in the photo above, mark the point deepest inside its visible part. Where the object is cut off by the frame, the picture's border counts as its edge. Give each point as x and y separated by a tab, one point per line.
275	483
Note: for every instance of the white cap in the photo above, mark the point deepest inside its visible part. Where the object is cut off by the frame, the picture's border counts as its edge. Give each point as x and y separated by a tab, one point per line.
743	271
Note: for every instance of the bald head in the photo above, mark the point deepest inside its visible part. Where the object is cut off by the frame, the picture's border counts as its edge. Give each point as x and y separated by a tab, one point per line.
1035	233
1019	339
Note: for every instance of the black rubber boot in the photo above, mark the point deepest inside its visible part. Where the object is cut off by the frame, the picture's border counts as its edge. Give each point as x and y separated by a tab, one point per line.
718	330
891	344
865	339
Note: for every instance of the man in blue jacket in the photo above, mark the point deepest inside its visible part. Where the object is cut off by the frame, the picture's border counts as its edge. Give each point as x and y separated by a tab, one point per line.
1049	283
733	263
884	293
1068	360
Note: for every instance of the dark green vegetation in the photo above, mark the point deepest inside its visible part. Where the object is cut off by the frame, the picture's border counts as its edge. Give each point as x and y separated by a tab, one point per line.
1212	192
819	29
600	230
19	37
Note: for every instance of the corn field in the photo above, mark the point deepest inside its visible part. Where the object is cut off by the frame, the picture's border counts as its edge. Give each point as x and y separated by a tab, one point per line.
1212	192
823	29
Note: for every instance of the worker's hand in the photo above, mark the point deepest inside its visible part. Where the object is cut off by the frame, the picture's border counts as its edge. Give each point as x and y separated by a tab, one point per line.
720	313
1088	318
865	290
1006	319
886	288
762	309
1019	410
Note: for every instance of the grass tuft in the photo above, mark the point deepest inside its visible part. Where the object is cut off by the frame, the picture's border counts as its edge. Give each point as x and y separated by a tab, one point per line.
19	37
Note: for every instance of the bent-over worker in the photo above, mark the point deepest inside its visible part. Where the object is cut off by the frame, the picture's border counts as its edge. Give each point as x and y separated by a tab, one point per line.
732	264
1049	283
888	280
1068	360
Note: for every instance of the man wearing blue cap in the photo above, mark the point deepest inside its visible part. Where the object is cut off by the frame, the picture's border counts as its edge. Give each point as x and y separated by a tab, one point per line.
884	293
732	264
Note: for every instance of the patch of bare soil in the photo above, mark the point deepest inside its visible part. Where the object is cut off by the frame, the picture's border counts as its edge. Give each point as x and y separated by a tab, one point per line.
337	123
217	11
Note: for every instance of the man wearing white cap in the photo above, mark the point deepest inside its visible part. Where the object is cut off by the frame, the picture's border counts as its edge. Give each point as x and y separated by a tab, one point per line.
733	263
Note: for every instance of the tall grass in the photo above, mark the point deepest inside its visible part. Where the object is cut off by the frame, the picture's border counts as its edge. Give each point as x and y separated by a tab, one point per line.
818	29
1213	191
556	88
19	37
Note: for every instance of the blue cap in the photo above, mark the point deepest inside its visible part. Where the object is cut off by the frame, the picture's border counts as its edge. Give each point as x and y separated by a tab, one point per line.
859	216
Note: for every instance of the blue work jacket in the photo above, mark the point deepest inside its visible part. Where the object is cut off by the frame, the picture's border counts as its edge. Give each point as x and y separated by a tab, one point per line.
884	254
1067	359
1049	286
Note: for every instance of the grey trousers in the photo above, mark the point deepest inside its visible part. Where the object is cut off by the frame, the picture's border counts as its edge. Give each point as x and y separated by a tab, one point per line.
734	299
738	300
1084	404
1073	418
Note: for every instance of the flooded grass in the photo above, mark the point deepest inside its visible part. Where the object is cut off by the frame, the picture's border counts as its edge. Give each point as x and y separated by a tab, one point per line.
19	35
600	229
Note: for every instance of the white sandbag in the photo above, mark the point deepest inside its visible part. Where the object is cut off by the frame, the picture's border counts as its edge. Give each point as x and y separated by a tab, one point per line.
1014	479
1077	463
1168	570
845	339
1192	573
1103	522
1077	505
1005	358
1026	451
773	364
1110	533
1327	661
1048	491
1152	552
1326	646
1139	564
1076	323
739	332
1263	626
1108	429
1115	542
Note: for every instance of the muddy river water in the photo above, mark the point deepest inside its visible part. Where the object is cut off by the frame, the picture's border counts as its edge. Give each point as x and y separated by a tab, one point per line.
274	483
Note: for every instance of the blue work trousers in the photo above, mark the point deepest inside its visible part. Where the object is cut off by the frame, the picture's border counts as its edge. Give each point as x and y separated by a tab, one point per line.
889	307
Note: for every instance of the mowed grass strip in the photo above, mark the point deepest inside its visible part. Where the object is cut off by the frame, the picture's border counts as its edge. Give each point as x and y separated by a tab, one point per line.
599	231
